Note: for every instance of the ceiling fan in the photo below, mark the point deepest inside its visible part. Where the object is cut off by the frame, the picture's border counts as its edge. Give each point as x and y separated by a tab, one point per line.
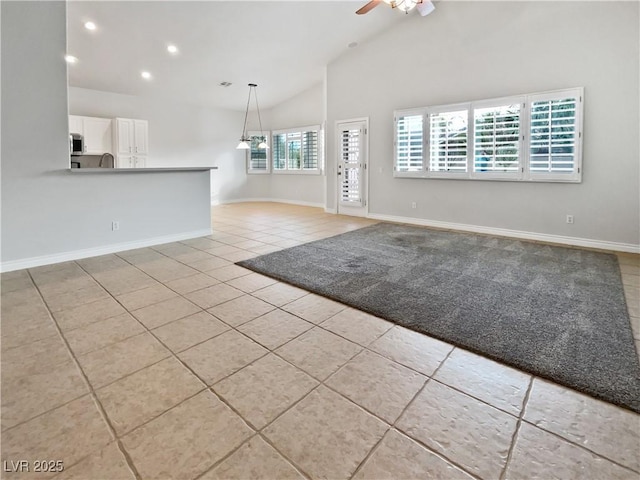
424	7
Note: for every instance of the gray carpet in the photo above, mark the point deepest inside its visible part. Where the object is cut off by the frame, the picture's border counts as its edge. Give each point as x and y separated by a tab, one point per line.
555	312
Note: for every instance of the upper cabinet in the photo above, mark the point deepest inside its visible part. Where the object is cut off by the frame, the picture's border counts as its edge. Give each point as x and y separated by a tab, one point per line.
141	136
131	138
75	124
97	133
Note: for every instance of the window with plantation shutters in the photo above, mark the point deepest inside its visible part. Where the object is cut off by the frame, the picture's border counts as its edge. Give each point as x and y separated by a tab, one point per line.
448	141
409	142
496	139
310	150
297	150
279	151
554	130
258	158
294	145
534	137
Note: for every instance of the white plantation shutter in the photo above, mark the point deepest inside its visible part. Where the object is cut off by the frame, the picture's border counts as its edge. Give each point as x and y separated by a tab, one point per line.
409	142
350	188
297	150
310	150
554	130
448	141
294	147
279	151
497	138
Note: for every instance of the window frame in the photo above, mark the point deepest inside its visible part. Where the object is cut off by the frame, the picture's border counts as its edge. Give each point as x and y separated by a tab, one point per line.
523	172
255	171
412	112
523	124
301	131
454	107
576	175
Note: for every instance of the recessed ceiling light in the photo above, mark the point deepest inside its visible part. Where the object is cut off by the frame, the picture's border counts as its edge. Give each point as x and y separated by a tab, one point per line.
146	75
70	59
172	49
90	25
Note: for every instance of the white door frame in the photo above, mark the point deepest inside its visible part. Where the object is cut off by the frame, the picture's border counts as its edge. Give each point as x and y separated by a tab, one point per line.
362	211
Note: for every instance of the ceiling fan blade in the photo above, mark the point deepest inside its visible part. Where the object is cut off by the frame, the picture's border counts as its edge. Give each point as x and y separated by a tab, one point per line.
425	8
369	6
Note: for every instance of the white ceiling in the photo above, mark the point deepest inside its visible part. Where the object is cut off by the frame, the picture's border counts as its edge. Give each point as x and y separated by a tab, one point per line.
282	46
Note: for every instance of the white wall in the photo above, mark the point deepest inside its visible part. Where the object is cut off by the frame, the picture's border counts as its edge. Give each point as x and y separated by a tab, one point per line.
474	50
306	108
47	212
179	134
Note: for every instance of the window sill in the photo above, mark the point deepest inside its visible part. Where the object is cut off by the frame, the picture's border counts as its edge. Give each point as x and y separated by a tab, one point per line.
427	176
295	172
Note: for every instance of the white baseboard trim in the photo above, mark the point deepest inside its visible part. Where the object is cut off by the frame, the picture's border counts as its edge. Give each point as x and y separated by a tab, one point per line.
274	200
94	252
503	232
331	210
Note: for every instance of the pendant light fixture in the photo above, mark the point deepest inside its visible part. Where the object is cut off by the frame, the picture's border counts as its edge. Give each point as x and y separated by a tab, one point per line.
245	141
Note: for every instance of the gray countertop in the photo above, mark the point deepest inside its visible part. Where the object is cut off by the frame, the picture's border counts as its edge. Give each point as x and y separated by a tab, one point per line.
140	170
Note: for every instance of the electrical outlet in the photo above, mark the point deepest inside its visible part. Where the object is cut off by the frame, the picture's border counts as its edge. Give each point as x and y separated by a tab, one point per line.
414	205
570	219
115	226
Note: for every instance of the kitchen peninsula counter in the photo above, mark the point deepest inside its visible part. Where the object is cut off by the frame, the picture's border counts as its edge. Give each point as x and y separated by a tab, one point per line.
140	170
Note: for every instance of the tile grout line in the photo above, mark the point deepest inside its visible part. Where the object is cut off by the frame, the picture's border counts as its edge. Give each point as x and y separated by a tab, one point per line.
281	414
514	437
223	459
295	465
371	452
581	447
92	393
570	442
457	389
412	401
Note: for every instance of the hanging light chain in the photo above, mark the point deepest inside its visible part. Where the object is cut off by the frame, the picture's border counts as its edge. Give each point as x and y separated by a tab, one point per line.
246	115
245	140
263	143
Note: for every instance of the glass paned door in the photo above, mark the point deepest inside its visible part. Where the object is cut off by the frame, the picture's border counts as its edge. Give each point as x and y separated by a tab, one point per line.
352	164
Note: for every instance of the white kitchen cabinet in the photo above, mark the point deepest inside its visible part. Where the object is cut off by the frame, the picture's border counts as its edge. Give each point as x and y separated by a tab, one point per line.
75	124
97	133
123	136
131	136
141	136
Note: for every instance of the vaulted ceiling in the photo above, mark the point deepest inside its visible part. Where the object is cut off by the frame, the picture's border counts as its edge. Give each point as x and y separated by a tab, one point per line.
282	46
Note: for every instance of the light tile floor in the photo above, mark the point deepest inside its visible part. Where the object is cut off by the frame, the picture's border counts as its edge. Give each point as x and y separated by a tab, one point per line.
172	362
